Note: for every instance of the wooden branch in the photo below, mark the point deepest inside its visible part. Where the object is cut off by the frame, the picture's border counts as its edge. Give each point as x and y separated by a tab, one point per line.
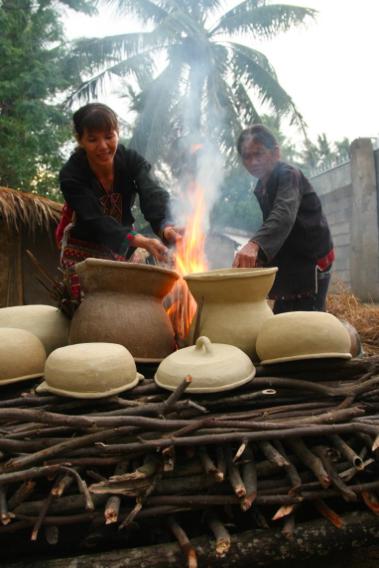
26	474
42	514
272	454
234	475
183	542
62	484
113	504
322	453
5	515
220	461
291	470
249	477
21	494
62	447
222	438
209	466
170	403
288	529
310	460
328	513
82	486
222	536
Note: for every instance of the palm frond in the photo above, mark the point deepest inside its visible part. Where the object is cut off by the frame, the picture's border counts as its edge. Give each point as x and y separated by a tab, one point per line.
96	51
246	65
260	19
223	117
145	10
245	107
152	128
140	66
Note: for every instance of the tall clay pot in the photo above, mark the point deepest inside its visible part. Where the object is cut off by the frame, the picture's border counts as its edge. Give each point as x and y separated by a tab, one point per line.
232	305
122	304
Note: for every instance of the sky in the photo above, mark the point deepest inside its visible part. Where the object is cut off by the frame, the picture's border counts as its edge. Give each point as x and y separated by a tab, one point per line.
329	67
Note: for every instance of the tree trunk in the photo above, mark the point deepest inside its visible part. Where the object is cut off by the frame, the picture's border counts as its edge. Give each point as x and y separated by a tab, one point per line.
315	538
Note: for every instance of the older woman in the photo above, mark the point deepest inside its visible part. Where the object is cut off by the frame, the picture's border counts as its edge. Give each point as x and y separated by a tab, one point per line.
100	182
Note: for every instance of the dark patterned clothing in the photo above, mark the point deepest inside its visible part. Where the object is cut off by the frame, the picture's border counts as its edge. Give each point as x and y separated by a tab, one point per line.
76	251
85	195
294	235
101	219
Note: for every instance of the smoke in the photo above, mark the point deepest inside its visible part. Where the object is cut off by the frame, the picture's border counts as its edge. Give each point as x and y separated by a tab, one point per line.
202	165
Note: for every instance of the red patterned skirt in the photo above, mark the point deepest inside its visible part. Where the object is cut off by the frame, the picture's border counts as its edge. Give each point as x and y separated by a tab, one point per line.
74	251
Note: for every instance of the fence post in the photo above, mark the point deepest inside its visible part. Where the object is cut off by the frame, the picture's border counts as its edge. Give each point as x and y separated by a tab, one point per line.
364	259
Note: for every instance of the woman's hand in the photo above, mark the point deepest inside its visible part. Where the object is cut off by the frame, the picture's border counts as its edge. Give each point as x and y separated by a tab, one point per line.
172	234
153	246
247	257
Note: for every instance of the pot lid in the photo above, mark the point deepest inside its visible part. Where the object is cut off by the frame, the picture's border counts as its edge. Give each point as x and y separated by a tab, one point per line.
22	355
214	367
89	370
295	336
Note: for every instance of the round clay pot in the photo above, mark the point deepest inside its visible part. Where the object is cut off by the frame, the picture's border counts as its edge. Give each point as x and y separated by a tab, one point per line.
232	305
122	304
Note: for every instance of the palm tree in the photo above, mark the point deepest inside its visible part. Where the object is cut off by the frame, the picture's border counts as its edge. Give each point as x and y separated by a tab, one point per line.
212	77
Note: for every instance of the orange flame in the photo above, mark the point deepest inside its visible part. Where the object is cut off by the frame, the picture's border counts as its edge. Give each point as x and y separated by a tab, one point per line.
190	257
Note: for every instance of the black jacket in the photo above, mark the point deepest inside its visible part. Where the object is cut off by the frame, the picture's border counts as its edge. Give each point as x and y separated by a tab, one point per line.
83	192
294	234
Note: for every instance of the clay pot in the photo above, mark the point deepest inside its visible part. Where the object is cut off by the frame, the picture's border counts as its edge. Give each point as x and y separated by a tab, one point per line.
122	304
232	305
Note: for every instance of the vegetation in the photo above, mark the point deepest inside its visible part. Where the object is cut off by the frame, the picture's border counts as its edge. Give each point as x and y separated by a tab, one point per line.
33	70
211	83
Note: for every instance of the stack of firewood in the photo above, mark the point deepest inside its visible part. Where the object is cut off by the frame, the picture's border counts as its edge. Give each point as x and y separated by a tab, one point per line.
280	447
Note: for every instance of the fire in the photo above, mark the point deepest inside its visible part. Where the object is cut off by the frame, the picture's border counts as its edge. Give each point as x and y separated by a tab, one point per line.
190	257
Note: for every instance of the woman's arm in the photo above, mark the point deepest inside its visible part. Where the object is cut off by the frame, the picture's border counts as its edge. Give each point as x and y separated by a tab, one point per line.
278	225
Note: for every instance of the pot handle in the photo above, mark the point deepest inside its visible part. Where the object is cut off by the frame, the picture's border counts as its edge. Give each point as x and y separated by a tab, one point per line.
204	342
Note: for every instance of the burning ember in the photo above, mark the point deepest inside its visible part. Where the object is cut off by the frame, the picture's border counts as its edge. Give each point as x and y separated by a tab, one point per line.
190	257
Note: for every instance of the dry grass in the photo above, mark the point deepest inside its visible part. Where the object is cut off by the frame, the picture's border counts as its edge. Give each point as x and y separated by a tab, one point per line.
364	317
18	208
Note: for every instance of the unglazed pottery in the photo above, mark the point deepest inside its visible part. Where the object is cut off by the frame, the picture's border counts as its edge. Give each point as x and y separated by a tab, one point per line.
122	304
232	305
89	370
22	355
213	367
46	322
295	336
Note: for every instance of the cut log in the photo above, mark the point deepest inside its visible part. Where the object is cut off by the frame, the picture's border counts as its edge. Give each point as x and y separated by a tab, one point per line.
248	548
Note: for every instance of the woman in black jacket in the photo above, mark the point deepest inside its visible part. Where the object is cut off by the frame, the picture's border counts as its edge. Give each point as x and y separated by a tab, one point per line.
295	235
100	182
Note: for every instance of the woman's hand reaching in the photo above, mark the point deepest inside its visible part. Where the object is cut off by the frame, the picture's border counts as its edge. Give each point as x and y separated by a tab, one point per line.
172	234
247	257
155	247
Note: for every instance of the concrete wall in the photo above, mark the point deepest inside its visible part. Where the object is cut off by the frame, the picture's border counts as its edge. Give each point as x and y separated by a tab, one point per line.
349	194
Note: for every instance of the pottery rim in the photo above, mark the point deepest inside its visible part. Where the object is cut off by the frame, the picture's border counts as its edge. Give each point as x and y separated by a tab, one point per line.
304	357
231	273
119	264
45	387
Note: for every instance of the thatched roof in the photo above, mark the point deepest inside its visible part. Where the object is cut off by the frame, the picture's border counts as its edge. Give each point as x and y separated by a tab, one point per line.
19	208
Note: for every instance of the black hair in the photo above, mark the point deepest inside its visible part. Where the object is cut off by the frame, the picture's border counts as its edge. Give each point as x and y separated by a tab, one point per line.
260	134
94	117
